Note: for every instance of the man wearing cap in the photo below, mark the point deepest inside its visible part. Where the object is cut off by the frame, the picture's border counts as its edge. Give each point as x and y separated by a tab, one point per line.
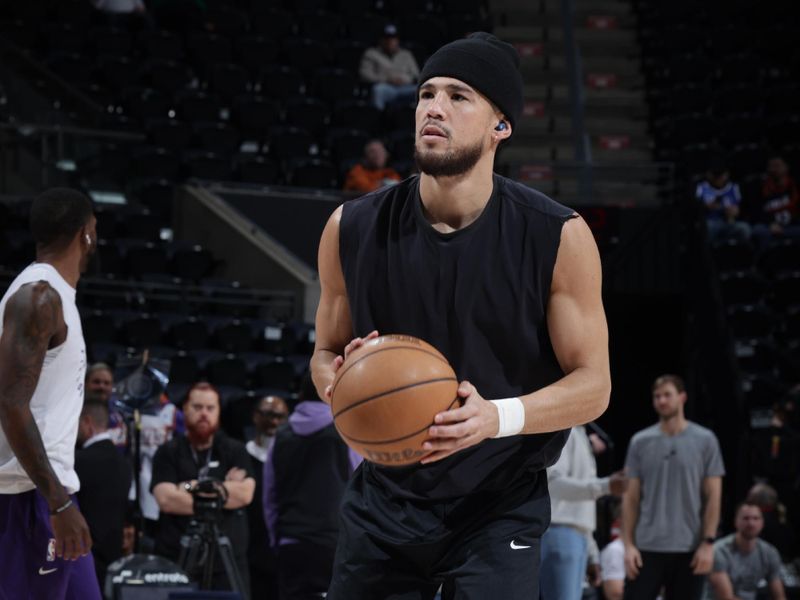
391	70
505	282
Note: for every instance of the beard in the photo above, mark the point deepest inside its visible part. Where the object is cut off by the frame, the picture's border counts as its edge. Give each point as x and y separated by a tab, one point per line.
449	164
200	433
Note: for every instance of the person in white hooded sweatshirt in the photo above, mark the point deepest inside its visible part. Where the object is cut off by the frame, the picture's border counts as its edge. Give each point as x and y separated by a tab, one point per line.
568	542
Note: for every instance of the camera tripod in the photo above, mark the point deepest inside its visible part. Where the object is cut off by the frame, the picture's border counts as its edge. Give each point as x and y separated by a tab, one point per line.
200	545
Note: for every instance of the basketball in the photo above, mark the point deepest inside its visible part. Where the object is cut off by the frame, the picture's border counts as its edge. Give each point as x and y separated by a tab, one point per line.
386	394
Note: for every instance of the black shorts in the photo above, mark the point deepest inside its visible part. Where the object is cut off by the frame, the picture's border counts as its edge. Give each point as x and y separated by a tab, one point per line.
482	546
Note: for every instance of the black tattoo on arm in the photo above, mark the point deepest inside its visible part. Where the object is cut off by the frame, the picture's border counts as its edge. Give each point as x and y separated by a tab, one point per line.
33	316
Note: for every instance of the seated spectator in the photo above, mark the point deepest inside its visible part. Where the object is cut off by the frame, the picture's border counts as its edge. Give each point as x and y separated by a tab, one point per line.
391	69
204	452
371	173
105	478
776	530
304	480
743	563
268	415
100	380
722	200
780	204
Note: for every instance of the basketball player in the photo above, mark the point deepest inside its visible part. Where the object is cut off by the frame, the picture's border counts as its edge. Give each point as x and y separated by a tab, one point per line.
506	283
44	539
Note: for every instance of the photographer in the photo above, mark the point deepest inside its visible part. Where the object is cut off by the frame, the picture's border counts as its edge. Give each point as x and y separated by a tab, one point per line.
203	454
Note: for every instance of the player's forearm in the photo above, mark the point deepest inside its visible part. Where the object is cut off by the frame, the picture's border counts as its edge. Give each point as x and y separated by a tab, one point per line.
776	590
322	373
575	399
630	515
711	510
240	493
613	590
710	520
174	500
26	443
576	489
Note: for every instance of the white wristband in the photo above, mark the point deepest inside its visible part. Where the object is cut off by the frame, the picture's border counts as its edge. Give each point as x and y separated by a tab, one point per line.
511	414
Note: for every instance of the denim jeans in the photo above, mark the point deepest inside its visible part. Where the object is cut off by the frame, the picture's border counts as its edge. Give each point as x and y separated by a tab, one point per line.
385	94
563	567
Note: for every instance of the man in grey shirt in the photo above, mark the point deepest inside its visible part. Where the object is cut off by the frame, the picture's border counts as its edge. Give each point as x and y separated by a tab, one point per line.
391	69
670	511
742	561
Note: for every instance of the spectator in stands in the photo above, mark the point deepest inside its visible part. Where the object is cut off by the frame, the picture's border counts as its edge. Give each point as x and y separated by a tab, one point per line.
612	561
780	204
301	505
204	452
371	173
391	69
777	530
670	511
100	380
105	478
269	413
742	561
722	201
569	542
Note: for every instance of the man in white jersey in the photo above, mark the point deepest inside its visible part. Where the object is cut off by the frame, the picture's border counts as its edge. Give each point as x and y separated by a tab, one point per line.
44	538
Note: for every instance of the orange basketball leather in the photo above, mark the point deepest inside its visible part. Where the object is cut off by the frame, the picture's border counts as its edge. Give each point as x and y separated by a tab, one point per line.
386	394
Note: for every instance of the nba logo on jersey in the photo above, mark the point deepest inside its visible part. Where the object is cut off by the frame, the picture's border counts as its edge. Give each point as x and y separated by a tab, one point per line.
51	550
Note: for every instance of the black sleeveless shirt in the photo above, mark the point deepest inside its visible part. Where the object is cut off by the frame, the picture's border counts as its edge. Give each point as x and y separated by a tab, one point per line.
480	296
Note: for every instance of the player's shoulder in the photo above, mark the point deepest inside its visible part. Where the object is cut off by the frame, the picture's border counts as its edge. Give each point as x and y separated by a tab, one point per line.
650	432
528	198
171	447
768	550
698	431
723	545
34	302
380	200
36	295
228	444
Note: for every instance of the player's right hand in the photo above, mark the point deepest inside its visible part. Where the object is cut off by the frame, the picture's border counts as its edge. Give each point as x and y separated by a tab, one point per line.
618	483
339	360
73	539
633	562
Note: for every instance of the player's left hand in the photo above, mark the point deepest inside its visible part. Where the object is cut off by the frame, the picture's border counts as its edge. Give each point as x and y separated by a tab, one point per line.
703	559
461	427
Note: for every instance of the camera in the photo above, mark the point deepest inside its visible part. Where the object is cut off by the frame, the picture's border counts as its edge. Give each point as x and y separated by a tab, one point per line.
208	499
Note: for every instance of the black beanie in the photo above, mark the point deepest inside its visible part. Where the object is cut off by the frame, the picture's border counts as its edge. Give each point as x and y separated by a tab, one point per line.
486	63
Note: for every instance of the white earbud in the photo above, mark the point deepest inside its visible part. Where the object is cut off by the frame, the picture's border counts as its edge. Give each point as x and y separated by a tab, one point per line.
88	240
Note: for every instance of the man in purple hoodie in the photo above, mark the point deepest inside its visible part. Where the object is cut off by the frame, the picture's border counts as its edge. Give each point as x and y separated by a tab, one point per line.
305	475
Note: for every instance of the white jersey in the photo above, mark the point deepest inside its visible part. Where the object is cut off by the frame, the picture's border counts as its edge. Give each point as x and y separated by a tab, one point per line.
57	401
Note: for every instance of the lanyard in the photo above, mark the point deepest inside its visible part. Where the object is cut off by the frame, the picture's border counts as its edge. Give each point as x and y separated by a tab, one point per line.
202	472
